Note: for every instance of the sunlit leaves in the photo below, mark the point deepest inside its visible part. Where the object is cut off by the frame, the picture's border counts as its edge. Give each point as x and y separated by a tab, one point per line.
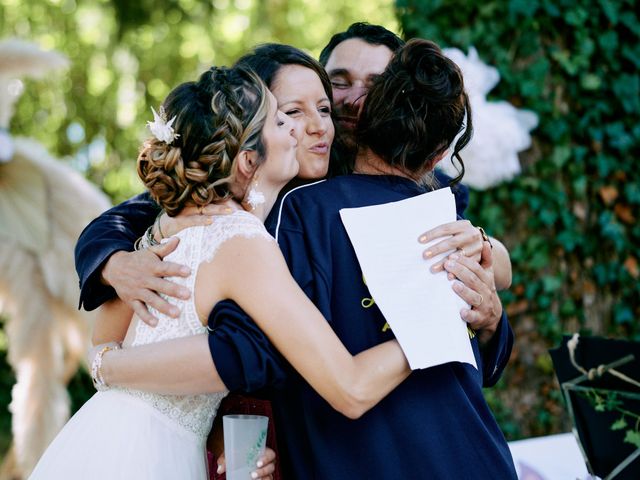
126	56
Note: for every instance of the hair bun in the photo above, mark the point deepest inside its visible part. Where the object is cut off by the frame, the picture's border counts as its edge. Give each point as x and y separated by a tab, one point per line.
415	109
429	72
206	84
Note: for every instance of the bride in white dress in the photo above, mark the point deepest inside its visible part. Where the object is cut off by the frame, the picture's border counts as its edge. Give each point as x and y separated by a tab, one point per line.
226	142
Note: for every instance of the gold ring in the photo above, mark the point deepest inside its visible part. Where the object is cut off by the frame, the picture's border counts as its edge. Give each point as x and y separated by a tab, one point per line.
481	300
485	237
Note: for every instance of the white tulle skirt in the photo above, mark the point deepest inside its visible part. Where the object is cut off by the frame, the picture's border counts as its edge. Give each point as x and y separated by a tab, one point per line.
117	436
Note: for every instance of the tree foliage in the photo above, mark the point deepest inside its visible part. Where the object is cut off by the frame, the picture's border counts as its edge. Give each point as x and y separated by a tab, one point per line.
126	56
571	219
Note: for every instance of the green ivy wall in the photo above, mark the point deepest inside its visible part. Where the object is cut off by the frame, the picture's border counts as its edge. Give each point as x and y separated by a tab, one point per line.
570	219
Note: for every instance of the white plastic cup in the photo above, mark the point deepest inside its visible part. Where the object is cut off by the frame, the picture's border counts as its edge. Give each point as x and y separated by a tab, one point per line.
245	437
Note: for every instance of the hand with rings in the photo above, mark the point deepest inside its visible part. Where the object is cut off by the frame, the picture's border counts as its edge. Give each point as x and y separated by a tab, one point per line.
139	277
474	283
461	236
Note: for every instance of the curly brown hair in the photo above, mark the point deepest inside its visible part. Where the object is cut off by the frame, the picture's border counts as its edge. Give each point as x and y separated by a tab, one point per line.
415	109
217	117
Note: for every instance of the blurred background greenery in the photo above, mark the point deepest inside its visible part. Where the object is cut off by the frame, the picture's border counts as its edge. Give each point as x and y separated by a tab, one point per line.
569	220
126	56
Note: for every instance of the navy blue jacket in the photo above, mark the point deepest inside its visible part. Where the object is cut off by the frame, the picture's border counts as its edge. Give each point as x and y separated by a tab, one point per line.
436	424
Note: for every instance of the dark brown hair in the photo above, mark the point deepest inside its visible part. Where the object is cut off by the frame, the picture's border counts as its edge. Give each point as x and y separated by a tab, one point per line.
415	109
267	60
372	34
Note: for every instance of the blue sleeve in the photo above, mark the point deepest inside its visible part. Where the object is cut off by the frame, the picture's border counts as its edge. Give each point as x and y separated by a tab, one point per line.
243	355
116	229
496	353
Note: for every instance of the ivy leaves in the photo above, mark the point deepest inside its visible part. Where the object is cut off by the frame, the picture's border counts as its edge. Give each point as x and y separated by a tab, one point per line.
571	219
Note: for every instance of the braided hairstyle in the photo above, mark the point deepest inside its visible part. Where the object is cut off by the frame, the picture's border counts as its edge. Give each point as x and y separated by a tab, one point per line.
415	109
217	117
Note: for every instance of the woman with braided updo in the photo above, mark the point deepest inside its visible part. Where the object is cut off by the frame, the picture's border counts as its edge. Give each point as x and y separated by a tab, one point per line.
219	140
224	138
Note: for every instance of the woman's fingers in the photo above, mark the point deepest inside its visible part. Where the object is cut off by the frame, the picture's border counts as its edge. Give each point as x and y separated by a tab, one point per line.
468	271
473	298
266	465
215	209
168	226
476	286
461	236
222	464
443	230
486	255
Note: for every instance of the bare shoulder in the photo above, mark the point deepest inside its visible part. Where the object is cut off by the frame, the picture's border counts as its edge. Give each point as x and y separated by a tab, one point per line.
238	254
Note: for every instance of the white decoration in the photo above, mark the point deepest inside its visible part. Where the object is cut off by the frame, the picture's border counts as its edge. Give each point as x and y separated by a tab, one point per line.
500	129
255	198
162	129
44	205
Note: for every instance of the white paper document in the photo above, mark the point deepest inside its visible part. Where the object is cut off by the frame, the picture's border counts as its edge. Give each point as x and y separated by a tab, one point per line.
421	307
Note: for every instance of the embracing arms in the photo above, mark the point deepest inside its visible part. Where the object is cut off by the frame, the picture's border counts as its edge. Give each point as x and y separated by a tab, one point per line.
252	272
115	230
352	384
108	266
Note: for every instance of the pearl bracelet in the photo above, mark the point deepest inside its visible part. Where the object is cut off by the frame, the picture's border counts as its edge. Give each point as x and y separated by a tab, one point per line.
96	368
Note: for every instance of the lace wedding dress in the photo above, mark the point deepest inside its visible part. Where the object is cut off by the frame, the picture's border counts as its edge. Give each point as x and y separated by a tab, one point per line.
130	434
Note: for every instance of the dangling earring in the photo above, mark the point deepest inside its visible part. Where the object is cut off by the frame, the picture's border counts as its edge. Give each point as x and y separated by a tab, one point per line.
255	197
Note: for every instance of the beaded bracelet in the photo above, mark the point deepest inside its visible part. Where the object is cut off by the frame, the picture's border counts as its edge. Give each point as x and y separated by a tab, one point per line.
148	235
96	368
148	239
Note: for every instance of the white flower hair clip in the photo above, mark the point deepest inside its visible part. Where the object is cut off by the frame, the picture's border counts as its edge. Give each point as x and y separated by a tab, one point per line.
162	129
